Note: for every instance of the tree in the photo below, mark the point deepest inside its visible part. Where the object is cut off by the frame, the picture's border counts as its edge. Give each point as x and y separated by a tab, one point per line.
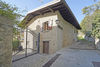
86	24
91	22
11	12
96	24
91	9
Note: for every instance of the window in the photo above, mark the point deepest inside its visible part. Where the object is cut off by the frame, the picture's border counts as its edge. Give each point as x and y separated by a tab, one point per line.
46	26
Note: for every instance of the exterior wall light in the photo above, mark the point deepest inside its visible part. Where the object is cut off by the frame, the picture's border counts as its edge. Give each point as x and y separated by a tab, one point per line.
57	21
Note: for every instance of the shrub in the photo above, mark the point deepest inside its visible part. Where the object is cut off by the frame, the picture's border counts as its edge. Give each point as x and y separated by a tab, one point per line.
80	37
15	44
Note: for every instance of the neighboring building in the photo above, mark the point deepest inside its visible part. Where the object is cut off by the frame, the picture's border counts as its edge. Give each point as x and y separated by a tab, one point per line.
56	24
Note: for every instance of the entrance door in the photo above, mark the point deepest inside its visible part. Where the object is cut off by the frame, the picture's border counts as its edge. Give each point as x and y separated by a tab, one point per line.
46	47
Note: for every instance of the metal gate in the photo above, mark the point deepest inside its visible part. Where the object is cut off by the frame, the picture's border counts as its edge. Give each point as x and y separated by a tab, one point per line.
21	52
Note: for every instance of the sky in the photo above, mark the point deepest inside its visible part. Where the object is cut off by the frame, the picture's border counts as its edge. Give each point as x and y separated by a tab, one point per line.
75	5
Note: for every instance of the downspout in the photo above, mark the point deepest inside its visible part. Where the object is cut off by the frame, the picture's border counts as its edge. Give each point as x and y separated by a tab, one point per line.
26	41
38	43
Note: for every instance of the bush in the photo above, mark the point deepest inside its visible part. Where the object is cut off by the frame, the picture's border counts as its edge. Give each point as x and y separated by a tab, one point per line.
15	44
80	38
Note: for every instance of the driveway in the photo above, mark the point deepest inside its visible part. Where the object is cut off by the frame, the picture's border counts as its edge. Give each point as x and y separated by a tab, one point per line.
77	58
67	57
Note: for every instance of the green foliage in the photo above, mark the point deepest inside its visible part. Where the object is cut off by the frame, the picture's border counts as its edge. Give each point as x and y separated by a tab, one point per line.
88	33
91	23
86	24
9	11
22	24
90	9
15	44
80	38
96	24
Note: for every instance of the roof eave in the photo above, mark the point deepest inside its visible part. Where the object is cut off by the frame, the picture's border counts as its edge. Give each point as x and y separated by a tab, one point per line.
52	8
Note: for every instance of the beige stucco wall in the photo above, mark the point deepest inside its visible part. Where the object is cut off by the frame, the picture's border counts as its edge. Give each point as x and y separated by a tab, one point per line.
5	42
57	38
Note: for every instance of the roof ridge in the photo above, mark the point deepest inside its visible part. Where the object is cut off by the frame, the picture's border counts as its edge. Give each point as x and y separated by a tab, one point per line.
45	5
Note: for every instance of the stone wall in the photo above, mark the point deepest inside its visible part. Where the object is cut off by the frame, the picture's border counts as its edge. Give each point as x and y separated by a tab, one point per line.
69	32
57	38
5	42
36	25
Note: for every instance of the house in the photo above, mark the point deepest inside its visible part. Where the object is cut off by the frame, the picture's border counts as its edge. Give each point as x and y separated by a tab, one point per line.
56	25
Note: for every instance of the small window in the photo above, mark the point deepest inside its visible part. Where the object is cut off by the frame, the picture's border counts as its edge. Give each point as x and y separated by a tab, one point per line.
46	26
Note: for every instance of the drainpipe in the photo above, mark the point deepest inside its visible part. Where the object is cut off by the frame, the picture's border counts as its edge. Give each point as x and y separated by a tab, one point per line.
26	41
38	43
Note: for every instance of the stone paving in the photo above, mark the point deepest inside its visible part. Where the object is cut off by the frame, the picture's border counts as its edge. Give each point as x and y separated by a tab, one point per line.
51	61
68	58
77	58
21	54
37	60
83	45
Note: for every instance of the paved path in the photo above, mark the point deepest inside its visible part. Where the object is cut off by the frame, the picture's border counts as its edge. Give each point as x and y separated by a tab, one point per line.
51	61
83	45
77	58
37	60
68	58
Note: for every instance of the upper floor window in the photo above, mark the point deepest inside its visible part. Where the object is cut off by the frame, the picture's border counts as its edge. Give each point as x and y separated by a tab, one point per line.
46	26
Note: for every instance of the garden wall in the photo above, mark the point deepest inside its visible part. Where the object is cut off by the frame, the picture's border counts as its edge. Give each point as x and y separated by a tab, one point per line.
5	42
